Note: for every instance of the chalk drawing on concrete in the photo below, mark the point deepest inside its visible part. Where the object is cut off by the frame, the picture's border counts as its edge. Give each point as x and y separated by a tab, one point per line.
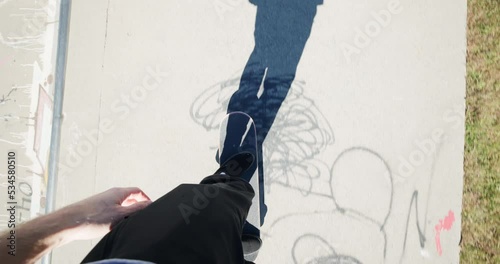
323	252
421	222
362	194
299	133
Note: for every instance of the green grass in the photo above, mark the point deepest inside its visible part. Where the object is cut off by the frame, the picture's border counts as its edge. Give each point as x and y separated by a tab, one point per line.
481	212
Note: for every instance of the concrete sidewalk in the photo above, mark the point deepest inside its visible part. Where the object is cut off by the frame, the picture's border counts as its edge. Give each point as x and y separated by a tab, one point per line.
363	163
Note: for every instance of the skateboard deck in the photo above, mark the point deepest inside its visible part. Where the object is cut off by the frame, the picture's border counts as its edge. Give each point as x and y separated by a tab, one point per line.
238	133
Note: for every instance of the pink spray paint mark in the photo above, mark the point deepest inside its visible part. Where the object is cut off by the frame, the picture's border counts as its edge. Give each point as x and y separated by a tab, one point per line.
444	224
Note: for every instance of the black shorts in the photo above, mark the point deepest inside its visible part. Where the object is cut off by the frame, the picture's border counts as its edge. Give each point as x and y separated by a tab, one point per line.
193	223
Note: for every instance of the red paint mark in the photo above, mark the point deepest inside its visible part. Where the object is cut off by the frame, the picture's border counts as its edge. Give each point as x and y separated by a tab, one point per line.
444	224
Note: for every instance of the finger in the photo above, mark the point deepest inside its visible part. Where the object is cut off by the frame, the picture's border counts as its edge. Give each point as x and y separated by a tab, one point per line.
135	207
129	202
138	194
140	197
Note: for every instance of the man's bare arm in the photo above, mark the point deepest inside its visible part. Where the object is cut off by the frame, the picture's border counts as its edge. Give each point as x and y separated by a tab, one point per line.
87	219
37	237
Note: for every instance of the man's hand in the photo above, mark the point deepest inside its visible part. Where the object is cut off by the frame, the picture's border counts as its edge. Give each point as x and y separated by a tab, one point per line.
98	214
87	219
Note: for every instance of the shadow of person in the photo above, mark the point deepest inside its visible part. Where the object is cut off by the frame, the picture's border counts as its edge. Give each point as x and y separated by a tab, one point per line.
282	28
